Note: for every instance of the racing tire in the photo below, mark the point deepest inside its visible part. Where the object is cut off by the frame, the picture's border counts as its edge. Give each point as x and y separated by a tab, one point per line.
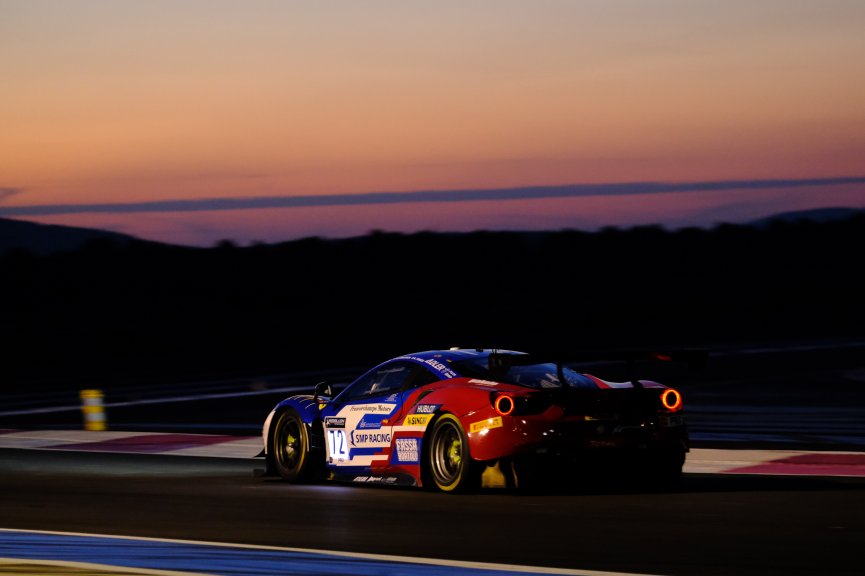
449	466
290	448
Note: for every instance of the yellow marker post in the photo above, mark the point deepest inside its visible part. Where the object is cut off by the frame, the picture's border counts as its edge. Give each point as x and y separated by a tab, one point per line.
92	410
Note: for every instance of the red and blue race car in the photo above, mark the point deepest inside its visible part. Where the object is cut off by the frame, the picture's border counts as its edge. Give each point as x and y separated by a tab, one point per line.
456	419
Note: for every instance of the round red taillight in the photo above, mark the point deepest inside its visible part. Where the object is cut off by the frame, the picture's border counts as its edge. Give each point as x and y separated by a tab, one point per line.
504	404
671	399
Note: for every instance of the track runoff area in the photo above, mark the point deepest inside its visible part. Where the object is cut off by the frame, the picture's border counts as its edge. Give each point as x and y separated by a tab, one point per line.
44	552
700	460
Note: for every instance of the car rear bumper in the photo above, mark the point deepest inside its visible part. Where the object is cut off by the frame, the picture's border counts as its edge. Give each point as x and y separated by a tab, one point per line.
580	438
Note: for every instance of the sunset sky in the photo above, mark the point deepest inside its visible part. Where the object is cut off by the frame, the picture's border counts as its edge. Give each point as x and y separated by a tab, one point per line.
112	112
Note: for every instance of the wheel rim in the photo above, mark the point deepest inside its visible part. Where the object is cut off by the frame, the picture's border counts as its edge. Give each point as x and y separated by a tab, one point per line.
447	452
289	444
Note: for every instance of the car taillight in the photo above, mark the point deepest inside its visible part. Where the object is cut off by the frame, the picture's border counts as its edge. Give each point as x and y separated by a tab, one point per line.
507	404
671	400
504	404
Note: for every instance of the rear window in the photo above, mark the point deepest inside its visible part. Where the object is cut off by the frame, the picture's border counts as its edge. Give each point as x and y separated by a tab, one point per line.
538	376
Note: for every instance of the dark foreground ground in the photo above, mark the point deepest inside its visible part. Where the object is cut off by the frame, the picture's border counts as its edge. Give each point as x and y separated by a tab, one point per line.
709	525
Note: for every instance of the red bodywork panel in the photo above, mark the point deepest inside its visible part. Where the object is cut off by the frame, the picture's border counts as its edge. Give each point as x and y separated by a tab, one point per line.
493	436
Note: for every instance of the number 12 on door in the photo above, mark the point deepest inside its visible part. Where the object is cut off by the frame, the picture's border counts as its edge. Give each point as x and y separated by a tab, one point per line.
336	443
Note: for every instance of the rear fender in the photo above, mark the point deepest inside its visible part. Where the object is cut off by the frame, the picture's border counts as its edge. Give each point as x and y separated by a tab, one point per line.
460	397
472	406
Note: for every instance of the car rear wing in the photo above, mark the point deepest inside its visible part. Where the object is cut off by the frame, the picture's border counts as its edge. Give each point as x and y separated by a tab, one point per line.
695	358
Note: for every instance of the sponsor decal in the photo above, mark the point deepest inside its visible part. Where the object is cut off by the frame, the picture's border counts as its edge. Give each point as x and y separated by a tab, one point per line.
372	408
379	479
483	382
334	422
369	439
426	408
441	368
370	422
407	451
417	419
487	424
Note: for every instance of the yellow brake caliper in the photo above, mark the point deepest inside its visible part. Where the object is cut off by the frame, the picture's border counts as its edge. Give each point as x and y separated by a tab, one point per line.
454	453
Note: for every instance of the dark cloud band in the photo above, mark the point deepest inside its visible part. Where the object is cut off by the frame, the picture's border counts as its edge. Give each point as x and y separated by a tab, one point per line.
468	195
7	192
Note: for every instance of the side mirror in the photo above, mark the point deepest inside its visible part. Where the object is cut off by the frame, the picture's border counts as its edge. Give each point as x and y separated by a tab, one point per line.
323	389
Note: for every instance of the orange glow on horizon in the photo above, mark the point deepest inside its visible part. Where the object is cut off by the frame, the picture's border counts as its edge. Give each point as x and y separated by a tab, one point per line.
587	213
153	101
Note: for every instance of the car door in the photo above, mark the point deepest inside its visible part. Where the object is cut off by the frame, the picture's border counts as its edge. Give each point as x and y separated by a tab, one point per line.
358	425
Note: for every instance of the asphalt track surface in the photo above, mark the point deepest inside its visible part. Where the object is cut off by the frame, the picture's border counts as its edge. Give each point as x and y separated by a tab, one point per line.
708	525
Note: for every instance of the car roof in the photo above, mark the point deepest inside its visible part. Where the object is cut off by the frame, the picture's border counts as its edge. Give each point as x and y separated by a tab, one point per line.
439	361
455	354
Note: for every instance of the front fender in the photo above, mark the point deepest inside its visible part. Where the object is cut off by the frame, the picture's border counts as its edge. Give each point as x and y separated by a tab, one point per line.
305	406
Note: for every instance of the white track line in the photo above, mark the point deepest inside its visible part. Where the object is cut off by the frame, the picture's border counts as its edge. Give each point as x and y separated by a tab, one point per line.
360	555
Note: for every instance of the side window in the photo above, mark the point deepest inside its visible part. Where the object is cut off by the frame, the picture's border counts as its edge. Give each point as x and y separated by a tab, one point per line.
384	380
422	377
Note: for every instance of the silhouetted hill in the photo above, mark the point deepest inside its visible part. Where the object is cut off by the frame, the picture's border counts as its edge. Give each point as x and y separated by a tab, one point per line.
46	238
815	215
122	311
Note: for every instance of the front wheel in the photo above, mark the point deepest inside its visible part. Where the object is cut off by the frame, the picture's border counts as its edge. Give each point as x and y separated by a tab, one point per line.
290	448
448	461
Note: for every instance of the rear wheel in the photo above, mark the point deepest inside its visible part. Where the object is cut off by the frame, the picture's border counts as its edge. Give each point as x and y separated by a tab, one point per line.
290	448
448	462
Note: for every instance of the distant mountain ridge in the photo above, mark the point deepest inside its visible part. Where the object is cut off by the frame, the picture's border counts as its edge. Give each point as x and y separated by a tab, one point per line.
49	238
815	215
